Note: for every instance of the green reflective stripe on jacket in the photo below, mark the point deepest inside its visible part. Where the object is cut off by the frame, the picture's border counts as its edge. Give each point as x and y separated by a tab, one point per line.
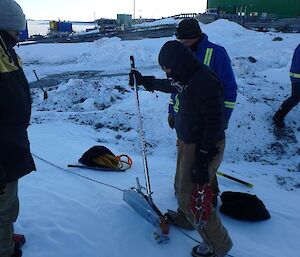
176	105
171	101
295	75
229	105
208	56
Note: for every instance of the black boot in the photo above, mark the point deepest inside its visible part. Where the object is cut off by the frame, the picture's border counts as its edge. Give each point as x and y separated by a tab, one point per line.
178	219
19	240
278	118
18	245
17	253
202	250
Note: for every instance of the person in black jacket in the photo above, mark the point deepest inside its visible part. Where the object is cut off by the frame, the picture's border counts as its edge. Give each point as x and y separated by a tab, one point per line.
15	109
200	126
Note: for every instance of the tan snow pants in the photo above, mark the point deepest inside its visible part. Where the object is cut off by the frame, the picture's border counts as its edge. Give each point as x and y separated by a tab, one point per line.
214	233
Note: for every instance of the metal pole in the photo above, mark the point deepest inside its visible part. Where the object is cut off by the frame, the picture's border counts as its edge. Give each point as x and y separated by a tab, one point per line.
133	10
234	179
44	91
141	131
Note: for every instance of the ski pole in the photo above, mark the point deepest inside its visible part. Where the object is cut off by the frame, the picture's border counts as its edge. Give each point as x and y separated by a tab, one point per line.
234	179
94	168
143	144
44	91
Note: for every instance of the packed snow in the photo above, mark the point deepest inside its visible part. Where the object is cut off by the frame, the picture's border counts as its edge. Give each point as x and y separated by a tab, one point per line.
165	21
90	103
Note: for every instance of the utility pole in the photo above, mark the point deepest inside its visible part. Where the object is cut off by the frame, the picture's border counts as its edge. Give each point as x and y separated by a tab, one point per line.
133	10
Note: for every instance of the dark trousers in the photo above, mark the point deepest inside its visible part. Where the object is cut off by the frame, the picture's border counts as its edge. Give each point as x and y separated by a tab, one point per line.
9	209
293	100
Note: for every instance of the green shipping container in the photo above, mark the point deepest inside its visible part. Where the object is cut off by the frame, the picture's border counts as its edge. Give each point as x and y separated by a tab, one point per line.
125	19
273	8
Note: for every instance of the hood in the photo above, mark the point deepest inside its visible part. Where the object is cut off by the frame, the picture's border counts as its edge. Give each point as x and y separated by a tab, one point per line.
180	59
204	39
199	43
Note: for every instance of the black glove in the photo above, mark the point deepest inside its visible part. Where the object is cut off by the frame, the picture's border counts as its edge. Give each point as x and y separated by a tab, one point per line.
2	188
226	124
200	174
171	121
146	81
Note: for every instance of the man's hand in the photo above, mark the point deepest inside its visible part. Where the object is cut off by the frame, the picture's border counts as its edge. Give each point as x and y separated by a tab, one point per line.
200	174
2	188
138	78
226	124
201	204
171	121
146	81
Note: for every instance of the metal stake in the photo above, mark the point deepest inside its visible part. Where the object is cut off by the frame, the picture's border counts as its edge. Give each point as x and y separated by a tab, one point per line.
141	131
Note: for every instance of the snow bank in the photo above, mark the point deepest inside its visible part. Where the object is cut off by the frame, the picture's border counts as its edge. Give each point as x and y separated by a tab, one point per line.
166	21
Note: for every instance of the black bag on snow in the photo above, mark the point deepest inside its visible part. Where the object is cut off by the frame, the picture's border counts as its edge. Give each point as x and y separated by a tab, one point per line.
99	156
243	206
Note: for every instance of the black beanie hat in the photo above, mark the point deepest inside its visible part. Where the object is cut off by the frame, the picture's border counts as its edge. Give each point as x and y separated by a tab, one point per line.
172	53
188	29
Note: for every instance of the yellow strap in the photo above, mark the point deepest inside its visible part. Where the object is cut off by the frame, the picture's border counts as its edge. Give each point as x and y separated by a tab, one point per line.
107	160
208	55
229	105
295	75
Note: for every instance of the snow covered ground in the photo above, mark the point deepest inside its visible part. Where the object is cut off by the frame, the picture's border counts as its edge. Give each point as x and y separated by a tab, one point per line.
65	215
166	21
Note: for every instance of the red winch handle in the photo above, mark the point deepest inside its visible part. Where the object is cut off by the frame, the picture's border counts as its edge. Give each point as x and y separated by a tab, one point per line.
128	161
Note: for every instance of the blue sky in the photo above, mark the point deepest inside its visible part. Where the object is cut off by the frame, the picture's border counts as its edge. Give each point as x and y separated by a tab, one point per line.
85	10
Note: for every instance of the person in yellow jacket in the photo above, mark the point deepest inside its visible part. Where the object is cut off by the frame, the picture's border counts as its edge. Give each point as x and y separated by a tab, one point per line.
15	109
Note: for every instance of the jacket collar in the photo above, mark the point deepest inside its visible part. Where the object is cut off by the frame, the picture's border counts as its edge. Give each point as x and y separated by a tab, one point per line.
203	40
8	41
200	42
